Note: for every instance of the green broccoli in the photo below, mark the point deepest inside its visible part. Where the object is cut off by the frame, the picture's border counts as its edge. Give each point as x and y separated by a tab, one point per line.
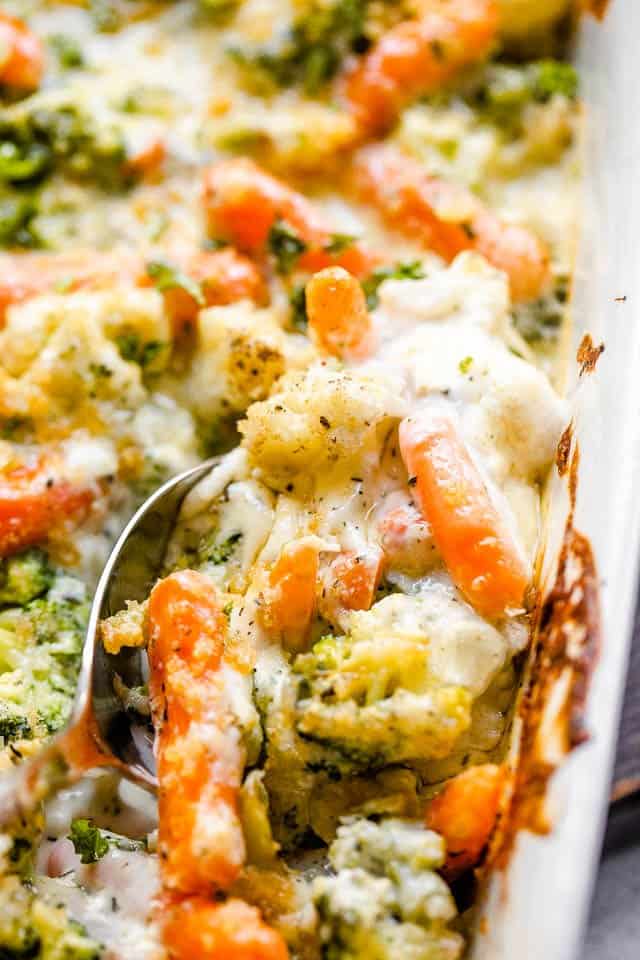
24	577
505	90
312	50
539	322
385	900
32	928
40	648
370	704
37	138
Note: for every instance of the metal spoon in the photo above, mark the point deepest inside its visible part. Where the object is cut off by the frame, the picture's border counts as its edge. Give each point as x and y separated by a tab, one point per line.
101	733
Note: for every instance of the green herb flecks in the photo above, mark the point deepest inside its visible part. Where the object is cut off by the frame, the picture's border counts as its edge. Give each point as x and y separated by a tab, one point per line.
285	245
409	270
88	841
167	277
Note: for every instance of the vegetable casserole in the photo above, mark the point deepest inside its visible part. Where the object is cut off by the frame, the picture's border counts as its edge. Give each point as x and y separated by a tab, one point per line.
331	242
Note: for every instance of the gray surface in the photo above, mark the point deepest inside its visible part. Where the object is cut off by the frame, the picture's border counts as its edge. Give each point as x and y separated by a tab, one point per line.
614	928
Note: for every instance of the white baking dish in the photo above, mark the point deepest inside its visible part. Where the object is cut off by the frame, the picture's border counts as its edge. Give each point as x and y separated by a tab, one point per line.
537	906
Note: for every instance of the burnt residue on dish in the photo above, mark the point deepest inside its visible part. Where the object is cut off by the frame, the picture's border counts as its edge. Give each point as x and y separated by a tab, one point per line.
588	354
566	641
596	7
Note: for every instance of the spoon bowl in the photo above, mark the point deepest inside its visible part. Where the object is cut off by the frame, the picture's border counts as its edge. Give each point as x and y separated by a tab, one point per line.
101	731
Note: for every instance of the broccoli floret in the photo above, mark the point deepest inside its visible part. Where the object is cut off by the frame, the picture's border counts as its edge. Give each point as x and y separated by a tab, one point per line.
506	90
399	686
40	648
37	139
311	52
370	708
539	322
385	900
24	577
31	928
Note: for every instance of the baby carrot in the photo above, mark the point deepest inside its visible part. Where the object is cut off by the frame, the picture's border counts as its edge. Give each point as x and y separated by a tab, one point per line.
472	536
200	759
21	56
198	929
243	203
290	597
34	503
353	578
338	315
447	219
464	813
419	57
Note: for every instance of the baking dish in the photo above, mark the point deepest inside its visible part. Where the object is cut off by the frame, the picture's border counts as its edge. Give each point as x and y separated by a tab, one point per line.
537	905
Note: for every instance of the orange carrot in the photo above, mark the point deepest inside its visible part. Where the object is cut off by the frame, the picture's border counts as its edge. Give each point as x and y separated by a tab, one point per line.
472	536
447	218
243	202
198	929
21	56
200	760
352	580
290	598
34	503
464	814
225	277
418	57
148	161
338	315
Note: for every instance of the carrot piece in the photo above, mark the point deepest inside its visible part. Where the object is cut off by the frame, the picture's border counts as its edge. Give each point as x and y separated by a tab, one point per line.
34	504
338	315
353	578
243	202
418	57
197	929
464	813
22	56
473	538
225	277
148	160
446	218
200	760
290	598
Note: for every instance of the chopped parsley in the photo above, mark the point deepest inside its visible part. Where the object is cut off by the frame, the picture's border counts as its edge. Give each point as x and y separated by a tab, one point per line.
167	277
338	242
408	270
285	245
89	842
298	302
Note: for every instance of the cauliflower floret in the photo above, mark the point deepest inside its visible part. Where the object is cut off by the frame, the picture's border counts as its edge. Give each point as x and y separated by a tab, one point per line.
386	901
400	685
509	411
241	352
316	420
30	927
66	350
115	314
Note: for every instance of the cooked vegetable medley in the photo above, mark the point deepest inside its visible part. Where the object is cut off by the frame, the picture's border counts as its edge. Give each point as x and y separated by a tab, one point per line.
331	241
